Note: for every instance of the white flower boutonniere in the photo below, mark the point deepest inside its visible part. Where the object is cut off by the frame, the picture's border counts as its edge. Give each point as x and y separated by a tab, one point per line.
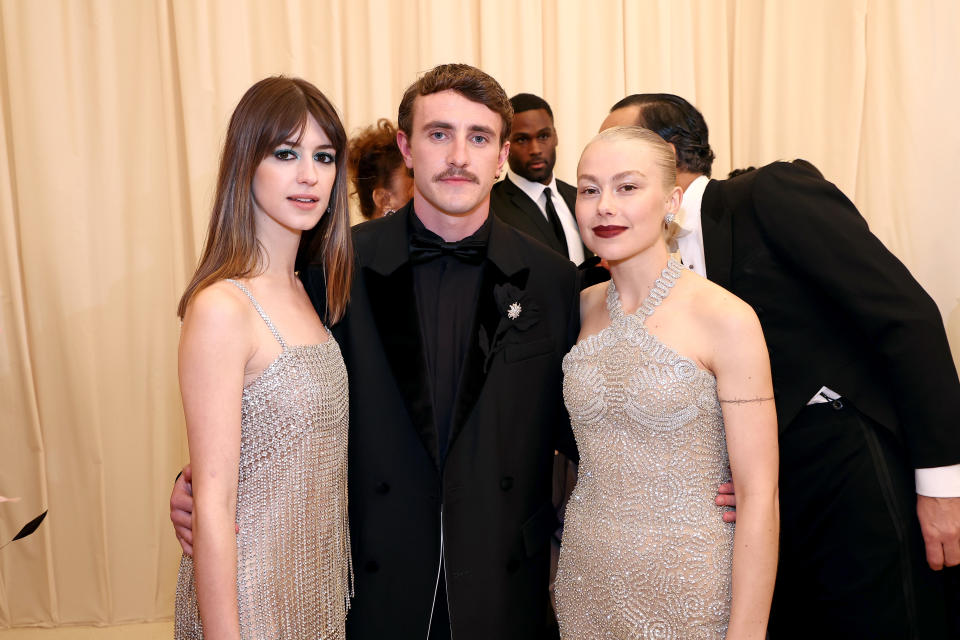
518	314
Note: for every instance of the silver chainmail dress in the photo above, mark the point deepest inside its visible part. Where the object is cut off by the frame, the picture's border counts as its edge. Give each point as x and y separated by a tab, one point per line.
645	551
294	571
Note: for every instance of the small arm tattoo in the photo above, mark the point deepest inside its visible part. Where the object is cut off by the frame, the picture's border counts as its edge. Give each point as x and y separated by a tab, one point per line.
746	400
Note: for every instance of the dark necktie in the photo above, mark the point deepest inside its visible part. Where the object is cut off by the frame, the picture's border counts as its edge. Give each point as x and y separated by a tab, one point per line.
555	221
425	248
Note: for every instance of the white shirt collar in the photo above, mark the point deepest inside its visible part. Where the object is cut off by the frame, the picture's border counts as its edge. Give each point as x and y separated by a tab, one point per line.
690	239
533	189
690	205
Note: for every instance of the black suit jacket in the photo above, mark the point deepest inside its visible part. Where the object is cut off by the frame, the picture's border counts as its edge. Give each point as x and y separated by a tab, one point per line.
513	206
837	308
491	497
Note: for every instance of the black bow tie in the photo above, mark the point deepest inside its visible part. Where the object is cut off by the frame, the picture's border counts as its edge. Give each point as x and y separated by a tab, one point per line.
424	248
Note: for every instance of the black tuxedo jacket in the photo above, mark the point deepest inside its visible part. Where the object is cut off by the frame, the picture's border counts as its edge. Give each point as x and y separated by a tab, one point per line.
487	508
837	308
513	206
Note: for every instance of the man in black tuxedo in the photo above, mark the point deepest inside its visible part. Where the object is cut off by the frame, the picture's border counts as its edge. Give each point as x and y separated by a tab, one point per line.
868	399
529	197
453	340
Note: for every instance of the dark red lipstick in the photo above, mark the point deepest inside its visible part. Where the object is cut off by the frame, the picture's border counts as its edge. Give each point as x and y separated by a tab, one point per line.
608	230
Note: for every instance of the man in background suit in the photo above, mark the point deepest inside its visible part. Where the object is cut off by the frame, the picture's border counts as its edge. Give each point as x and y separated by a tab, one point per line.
521	200
529	197
868	399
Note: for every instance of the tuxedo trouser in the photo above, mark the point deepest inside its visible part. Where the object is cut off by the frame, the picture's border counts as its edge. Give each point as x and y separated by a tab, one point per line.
852	559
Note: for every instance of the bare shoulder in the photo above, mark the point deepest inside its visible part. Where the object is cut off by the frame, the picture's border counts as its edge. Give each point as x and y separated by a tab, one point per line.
593	296
593	302
219	312
721	313
593	310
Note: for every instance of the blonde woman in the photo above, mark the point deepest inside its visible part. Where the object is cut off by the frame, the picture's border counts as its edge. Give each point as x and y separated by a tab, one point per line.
669	391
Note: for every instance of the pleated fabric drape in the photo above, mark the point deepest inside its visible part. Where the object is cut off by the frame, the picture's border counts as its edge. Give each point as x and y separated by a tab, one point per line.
113	112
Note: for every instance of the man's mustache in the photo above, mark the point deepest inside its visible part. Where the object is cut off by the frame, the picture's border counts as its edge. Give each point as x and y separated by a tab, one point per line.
453	172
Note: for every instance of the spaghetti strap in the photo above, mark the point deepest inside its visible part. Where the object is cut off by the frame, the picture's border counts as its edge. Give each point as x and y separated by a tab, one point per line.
263	314
293	571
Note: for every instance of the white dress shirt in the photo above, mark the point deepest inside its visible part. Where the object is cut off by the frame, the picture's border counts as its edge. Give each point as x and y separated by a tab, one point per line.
690	240
567	221
936	482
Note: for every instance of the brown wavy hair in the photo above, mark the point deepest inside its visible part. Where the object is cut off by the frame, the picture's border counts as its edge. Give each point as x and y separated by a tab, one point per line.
470	82
373	158
271	112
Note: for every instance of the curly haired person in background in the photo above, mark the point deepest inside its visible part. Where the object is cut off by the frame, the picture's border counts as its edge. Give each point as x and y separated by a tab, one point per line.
379	178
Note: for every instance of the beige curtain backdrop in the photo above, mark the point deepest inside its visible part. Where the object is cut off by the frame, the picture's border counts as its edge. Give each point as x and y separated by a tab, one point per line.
112	115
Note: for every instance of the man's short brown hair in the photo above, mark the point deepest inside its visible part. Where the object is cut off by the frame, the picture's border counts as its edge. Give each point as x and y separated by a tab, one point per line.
470	82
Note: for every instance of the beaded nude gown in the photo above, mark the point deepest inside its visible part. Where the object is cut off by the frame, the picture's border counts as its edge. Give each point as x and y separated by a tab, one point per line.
294	570
645	551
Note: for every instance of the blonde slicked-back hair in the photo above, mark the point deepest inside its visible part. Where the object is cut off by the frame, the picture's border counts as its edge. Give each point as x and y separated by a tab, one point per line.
664	157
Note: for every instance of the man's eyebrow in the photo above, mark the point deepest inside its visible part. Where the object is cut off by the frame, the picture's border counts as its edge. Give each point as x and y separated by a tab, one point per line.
481	129
517	134
438	124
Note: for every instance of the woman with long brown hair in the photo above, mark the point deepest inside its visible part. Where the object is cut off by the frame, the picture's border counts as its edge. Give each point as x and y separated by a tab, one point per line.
263	382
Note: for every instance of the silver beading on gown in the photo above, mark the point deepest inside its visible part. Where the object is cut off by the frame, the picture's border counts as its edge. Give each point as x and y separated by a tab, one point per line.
645	551
294	572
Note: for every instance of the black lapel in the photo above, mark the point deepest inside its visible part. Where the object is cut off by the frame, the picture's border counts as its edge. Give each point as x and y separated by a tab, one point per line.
716	223
532	210
504	264
389	280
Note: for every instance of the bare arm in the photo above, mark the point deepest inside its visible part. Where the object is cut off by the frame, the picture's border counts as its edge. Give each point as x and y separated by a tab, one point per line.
214	348
744	386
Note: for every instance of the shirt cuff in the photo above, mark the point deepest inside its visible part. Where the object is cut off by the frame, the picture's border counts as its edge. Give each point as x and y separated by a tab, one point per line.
939	482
